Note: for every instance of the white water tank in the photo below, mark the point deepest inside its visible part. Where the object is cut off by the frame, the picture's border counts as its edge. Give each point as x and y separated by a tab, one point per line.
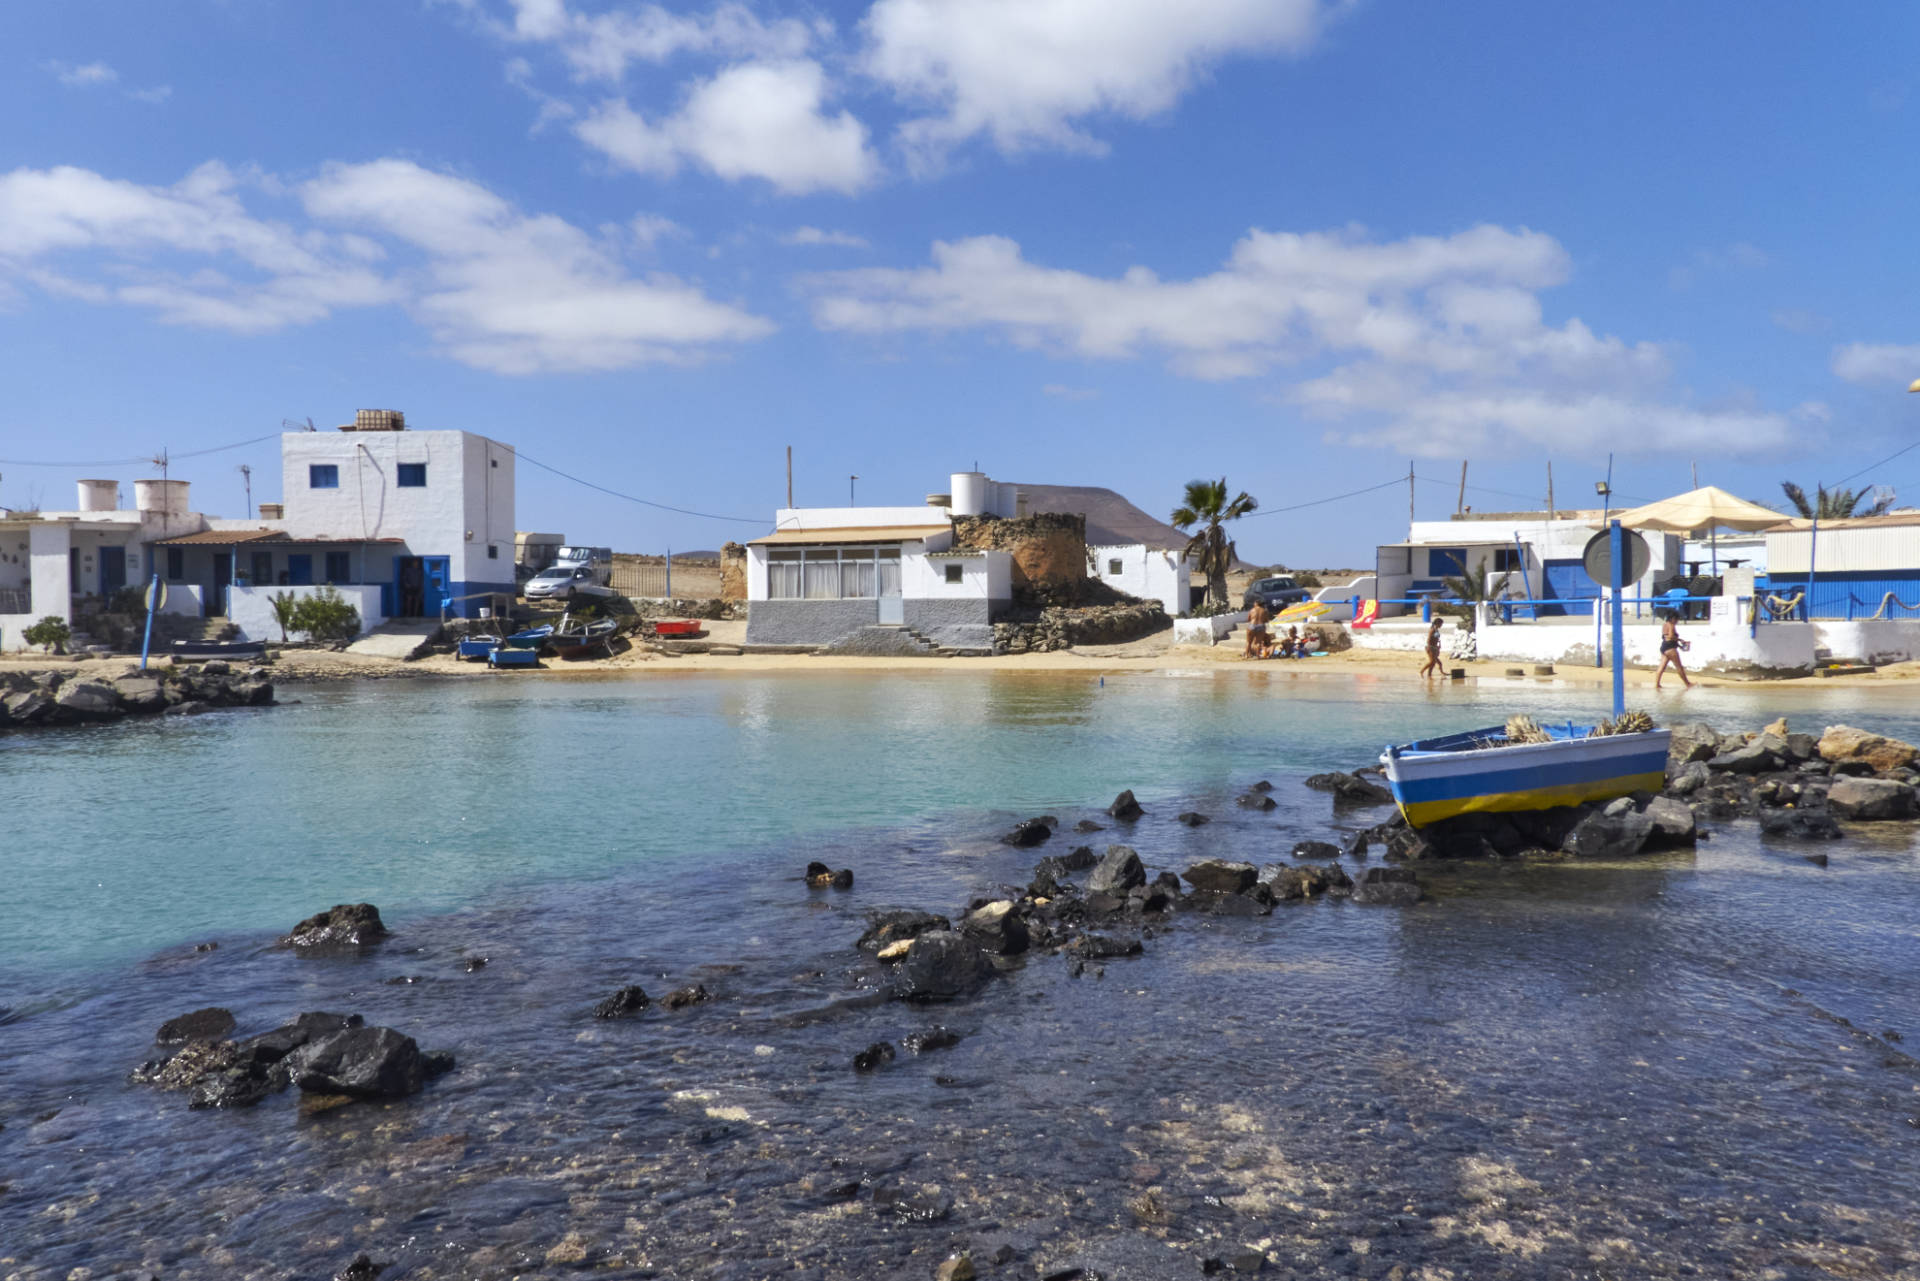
972	493
99	495
162	497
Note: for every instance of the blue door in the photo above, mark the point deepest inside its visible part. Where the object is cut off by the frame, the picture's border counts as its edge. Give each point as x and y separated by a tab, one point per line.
1567	580
299	569
113	571
439	582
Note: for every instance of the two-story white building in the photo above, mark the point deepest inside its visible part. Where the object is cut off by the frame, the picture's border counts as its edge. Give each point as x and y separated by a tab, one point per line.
1539	553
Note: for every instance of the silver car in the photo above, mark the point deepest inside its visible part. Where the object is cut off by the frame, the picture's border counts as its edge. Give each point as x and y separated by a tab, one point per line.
562	581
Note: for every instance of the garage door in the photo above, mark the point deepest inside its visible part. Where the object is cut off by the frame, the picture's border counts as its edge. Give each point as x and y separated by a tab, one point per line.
1567	580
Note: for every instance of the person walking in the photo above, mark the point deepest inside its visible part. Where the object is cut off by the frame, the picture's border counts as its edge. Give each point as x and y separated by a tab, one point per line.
1432	666
1258	646
1670	647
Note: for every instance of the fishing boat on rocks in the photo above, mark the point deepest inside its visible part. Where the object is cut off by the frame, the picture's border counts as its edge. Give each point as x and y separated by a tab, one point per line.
1524	766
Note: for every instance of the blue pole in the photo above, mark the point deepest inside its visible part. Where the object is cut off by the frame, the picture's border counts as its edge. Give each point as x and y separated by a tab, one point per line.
153	603
1619	547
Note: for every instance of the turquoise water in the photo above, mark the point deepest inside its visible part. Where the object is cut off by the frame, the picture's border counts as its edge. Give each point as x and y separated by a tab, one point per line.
1683	1064
430	795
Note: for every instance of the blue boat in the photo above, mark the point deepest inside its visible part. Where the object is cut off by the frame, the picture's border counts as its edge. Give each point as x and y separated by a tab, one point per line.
533	639
479	646
508	656
1481	772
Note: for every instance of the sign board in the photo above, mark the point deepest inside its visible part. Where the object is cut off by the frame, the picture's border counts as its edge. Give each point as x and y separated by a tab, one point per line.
1598	557
157	595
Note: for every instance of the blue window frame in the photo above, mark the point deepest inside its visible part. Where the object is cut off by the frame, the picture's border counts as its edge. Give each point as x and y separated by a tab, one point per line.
323	476
338	567
412	475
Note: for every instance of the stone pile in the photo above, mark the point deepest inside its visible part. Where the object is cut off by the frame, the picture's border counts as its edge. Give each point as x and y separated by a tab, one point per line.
1056	628
33	699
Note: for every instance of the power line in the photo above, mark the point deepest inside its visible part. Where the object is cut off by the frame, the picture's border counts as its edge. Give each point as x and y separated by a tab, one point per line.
134	462
1317	502
1882	463
644	502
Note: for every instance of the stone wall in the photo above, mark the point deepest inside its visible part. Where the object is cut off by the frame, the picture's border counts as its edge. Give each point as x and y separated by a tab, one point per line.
808	622
1048	549
952	624
733	571
1028	631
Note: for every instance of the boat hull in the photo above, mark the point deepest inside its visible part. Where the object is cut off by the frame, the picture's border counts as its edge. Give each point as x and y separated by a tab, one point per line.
1432	782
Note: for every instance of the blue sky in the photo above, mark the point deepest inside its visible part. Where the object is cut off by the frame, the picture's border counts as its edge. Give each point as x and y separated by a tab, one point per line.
1108	242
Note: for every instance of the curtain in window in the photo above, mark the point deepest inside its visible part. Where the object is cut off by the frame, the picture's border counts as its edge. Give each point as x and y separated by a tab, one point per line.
856	578
889	582
783	580
822	578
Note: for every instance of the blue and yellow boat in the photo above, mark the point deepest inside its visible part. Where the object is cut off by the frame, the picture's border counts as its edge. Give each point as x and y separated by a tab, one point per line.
1480	772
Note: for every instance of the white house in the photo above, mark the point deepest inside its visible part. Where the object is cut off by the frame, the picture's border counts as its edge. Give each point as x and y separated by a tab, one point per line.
1150	573
1540	550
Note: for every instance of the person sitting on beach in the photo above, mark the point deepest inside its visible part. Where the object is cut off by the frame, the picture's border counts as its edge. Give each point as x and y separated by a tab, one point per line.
1258	643
1432	666
1670	647
1294	647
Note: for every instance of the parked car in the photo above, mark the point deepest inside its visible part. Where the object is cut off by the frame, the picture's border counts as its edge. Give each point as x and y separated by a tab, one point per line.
561	581
1275	593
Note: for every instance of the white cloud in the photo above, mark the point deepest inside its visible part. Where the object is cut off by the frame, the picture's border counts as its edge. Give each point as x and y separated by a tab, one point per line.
498	289
756	120
85	76
1026	72
815	236
602	46
1429	343
649	229
1877	364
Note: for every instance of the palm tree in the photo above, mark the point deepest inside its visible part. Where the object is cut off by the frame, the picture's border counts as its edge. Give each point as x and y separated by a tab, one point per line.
1472	585
1836	503
1206	507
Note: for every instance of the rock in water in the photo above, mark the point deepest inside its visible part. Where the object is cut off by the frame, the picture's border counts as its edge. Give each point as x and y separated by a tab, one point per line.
363	1268
1871	799
1673	823
957	1268
874	1056
934	1038
209	1024
1118	872
942	966
362	1063
1257	801
996	928
340	927
1028	834
1691	777
628	1000
87	701
1602	835
1125	808
1386	886
818	874
681	998
1079	858
1763	754
843	879
1220	876
1192	818
1695	742
1088	825
1350	789
1845	743
1100	947
885	928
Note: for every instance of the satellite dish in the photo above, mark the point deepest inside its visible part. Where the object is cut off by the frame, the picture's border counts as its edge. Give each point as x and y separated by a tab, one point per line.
1598	557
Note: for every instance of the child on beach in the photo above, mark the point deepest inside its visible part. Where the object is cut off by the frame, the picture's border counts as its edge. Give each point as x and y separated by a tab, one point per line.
1432	666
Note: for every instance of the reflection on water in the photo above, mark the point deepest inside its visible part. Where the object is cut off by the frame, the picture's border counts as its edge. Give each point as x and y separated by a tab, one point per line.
1670	1066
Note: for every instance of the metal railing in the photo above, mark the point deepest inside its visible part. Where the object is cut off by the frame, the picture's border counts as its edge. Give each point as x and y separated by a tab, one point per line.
16	600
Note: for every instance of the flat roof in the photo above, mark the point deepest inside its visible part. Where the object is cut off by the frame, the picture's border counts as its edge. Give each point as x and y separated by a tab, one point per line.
234	537
854	534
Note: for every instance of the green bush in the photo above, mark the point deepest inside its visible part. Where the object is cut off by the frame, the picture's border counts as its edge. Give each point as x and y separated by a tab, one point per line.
286	612
325	615
1309	581
127	600
50	633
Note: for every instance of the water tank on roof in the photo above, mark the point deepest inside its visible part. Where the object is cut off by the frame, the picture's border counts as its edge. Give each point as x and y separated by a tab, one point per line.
377	420
99	495
972	493
164	497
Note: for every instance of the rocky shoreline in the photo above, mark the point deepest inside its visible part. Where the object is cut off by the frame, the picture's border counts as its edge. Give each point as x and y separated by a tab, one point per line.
34	700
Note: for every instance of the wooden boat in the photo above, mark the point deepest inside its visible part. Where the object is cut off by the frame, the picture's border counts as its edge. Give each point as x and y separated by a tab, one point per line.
479	646
1481	772
509	656
533	638
683	628
217	649
586	640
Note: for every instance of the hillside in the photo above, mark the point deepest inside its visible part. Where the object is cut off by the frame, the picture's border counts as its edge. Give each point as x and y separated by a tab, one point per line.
1111	519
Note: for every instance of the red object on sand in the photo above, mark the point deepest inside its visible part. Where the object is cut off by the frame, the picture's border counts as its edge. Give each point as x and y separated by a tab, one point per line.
677	627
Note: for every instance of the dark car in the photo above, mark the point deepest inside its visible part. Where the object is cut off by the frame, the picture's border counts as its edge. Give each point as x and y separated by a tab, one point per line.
1275	593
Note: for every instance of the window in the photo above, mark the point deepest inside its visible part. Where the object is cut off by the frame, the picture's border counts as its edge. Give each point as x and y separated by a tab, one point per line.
783	575
323	476
262	568
956	573
339	570
833	573
820	576
1113	568
412	475
856	573
493	551
1506	560
176	563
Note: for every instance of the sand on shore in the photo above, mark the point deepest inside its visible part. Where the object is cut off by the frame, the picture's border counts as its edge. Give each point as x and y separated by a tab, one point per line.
1155	653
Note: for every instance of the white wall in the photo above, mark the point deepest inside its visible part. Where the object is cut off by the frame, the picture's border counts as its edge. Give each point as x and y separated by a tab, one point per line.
1206	631
250	609
1145	572
986	575
1338	597
48	544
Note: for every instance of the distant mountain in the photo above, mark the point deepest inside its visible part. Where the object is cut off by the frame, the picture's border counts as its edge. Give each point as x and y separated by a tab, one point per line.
1111	519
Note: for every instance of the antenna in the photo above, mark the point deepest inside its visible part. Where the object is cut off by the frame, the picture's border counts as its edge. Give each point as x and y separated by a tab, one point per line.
166	497
246	475
288	424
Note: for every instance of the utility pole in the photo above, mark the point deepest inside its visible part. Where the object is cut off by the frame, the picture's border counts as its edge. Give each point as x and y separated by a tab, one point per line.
789	476
1696	474
246	476
1460	504
1550	515
850	481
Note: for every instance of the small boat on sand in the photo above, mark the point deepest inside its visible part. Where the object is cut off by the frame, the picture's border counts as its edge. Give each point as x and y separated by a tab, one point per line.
1482	771
472	647
533	638
508	656
586	640
678	628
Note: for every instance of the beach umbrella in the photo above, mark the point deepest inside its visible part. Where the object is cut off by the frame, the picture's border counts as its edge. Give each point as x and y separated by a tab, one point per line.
1709	507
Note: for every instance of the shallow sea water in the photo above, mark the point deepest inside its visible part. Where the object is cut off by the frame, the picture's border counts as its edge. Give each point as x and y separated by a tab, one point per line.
1669	1067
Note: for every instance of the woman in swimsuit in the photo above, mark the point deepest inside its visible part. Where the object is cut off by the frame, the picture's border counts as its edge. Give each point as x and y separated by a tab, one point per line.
1432	666
1670	647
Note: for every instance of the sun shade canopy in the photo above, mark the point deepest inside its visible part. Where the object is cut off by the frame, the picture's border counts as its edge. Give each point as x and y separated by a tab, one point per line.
1709	507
